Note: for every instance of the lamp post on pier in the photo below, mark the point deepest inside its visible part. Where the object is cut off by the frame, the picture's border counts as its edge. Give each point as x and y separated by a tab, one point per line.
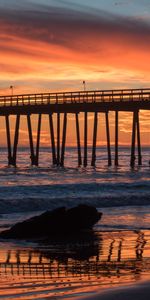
84	86
12	89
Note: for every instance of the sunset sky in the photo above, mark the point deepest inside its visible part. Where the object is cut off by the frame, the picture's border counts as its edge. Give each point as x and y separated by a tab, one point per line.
52	45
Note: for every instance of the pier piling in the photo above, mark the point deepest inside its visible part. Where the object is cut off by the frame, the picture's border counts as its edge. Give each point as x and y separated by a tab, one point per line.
108	139
116	138
94	140
78	140
63	139
38	139
85	139
16	140
132	160
139	141
58	139
10	159
135	127
54	159
32	155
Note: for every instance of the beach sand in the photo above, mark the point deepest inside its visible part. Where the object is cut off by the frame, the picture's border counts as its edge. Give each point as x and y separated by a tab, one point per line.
108	265
140	291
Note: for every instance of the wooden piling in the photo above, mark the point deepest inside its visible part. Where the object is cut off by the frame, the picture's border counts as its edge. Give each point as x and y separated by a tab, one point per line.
116	138
78	140
58	139
16	137
132	159
38	139
54	159
85	139
32	155
63	139
138	139
94	140
108	139
8	140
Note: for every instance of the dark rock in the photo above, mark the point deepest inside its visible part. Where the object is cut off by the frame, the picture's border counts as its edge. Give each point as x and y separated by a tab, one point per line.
58	221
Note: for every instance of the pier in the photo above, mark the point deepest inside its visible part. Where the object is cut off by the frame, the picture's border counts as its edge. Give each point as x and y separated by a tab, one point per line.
65	103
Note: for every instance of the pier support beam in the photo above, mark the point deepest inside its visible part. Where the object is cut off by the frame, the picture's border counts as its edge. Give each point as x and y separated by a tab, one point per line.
63	140
85	139
58	139
108	139
16	139
52	139
38	139
135	126
94	140
132	161
12	157
139	140
78	140
32	155
116	138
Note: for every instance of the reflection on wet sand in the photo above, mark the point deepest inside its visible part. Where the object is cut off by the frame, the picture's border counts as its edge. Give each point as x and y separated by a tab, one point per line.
99	259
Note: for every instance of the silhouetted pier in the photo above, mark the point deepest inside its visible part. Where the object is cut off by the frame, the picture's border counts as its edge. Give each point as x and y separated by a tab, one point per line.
127	100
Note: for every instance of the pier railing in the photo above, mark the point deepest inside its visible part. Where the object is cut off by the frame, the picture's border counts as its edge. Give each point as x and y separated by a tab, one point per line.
125	95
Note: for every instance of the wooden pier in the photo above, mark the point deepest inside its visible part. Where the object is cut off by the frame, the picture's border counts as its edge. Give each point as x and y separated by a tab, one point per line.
65	103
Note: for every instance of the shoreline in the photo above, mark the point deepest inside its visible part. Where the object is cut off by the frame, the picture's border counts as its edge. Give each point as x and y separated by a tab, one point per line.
139	291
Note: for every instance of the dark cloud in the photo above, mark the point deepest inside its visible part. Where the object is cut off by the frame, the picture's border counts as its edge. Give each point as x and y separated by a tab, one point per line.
68	27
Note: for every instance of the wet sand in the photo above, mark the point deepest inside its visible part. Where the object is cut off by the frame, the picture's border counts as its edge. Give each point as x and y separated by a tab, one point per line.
79	267
138	291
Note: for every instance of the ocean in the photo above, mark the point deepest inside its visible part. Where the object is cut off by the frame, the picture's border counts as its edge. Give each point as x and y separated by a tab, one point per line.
118	252
27	190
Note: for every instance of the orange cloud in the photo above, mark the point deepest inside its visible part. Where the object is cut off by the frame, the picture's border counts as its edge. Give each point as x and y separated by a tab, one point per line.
65	45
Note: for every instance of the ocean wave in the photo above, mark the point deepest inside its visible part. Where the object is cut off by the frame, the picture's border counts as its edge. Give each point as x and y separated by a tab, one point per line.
56	189
40	204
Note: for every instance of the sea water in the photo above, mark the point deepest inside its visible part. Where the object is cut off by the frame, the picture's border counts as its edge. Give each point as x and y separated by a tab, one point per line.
117	191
